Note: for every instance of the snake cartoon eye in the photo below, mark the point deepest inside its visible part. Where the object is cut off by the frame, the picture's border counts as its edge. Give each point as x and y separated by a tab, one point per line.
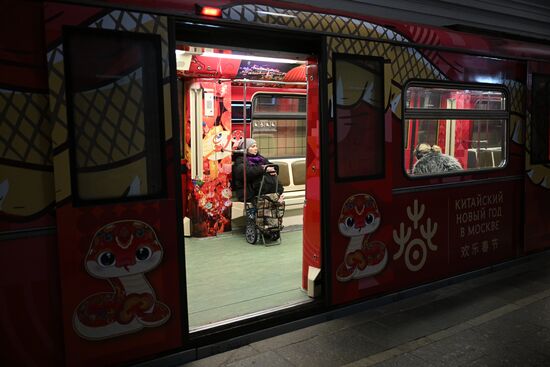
349	222
139	232
143	253
369	219
106	259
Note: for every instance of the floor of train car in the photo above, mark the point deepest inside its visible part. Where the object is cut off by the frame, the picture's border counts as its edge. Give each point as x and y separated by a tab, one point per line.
228	278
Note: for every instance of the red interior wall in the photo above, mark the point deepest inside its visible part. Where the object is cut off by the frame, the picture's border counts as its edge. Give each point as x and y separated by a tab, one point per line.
30	309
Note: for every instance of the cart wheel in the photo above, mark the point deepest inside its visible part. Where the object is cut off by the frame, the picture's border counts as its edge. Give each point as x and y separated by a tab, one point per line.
274	236
251	233
251	214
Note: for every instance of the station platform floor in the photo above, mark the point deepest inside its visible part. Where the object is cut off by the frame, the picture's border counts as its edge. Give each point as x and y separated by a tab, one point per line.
493	317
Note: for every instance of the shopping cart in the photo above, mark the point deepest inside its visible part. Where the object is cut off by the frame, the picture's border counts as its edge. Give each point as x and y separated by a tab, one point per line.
264	215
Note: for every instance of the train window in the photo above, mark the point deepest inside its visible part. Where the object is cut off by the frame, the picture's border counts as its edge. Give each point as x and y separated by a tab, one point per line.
114	104
279	124
437	98
279	104
454	129
540	124
237	111
359	116
427	131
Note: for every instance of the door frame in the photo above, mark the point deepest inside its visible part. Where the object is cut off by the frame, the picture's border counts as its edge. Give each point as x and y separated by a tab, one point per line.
263	38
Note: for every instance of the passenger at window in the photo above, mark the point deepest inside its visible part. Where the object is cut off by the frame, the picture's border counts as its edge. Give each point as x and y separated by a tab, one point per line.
430	159
256	167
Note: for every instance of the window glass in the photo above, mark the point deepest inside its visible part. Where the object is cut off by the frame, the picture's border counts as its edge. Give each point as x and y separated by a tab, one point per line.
419	97
452	130
237	111
476	144
540	131
279	125
279	104
359	116
280	138
115	114
427	131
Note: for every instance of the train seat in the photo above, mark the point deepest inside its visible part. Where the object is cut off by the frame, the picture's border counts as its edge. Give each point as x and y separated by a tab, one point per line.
292	175
299	172
472	158
497	158
284	176
485	159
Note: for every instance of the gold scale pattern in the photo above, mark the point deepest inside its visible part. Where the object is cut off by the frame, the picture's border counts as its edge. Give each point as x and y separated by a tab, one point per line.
25	130
405	62
120	137
119	107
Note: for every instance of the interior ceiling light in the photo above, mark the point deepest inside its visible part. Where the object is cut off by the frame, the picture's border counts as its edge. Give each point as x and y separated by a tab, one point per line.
198	51
252	58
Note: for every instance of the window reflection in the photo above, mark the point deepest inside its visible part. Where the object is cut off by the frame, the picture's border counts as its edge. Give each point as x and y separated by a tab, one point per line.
359	115
450	130
115	115
279	125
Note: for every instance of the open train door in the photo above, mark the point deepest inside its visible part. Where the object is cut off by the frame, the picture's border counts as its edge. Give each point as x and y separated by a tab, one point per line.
360	180
537	159
312	259
110	101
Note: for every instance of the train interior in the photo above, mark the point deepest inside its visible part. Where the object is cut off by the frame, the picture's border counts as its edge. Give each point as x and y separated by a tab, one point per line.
226	96
475	137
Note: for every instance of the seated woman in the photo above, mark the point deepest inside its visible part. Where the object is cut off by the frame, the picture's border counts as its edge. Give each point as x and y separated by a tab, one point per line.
430	159
255	169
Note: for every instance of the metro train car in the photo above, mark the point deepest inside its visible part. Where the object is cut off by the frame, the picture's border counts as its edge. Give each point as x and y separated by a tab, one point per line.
408	154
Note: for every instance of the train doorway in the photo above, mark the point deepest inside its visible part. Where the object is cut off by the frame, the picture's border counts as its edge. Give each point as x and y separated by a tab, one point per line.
229	98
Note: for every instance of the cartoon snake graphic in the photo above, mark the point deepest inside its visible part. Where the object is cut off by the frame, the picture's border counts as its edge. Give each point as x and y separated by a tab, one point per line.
121	252
359	218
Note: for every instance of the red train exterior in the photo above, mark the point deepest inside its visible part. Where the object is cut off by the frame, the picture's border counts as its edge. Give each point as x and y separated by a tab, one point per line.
63	305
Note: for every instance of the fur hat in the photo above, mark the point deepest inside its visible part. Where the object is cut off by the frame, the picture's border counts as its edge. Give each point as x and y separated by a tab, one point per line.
422	149
436	162
249	142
